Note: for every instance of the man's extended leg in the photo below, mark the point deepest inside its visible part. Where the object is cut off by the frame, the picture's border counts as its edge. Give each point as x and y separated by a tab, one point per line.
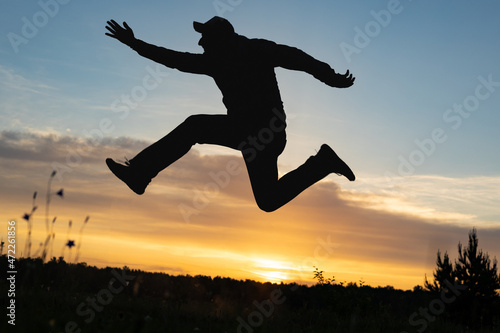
271	193
214	129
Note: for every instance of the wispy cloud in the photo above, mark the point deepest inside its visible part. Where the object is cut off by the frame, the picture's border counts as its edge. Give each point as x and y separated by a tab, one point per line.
27	100
12	81
457	200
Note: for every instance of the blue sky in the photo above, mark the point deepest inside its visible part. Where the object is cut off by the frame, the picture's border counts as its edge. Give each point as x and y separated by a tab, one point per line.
424	60
410	153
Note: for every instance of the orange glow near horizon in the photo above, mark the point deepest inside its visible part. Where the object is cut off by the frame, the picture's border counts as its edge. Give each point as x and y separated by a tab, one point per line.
324	227
116	249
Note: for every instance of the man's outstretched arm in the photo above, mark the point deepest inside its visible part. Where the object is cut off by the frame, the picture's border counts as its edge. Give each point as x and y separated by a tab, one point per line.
183	61
295	59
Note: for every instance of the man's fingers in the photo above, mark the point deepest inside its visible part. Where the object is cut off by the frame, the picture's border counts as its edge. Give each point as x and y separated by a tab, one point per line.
111	30
114	25
345	80
349	77
110	35
126	25
111	23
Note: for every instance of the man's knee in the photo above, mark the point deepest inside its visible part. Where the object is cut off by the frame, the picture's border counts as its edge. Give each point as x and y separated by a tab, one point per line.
193	127
194	120
266	204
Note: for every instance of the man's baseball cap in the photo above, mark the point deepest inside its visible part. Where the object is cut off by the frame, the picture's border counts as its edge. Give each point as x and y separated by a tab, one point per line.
216	25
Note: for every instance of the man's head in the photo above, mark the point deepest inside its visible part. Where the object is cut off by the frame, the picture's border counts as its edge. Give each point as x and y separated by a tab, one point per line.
216	25
216	34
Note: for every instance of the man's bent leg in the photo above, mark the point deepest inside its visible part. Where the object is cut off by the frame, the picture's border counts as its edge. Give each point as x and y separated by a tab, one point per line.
263	174
215	129
272	193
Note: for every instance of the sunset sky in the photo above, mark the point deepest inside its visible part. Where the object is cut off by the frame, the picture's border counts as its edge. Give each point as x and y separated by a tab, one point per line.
420	129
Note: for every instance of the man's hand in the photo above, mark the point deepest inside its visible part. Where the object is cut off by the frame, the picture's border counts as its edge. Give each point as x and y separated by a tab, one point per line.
124	35
344	80
336	80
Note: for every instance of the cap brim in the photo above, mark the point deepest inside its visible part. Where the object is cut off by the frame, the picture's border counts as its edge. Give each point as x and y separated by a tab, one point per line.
198	27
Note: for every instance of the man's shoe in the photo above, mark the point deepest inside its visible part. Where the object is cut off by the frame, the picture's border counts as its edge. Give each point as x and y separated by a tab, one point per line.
129	176
327	156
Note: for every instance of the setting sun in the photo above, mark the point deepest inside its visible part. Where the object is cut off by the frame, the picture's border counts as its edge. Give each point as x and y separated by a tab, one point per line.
271	270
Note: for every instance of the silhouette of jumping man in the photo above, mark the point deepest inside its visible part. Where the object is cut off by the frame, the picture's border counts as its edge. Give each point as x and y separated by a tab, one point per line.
255	123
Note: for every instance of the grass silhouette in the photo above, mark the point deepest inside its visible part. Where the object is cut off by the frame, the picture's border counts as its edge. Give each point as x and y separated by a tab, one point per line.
45	249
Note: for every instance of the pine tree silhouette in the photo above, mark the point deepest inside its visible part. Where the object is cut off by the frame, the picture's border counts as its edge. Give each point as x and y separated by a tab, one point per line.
475	269
477	300
443	273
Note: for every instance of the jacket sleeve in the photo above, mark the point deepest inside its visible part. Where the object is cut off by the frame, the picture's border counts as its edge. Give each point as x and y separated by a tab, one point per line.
292	58
183	61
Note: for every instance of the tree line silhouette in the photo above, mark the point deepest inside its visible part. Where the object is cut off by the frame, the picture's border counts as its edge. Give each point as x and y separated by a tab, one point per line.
52	294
